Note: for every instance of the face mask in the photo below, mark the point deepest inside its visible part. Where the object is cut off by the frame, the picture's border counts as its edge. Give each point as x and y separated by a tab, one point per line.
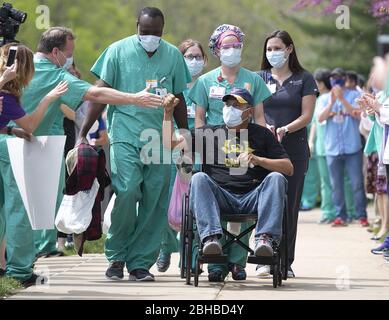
69	62
276	58
232	116
337	82
230	57
195	67
150	43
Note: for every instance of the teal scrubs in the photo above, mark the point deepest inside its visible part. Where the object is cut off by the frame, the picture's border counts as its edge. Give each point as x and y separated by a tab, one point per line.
135	235
207	93
46	240
20	239
311	188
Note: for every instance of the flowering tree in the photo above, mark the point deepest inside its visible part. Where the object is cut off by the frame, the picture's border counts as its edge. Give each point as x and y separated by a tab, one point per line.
377	8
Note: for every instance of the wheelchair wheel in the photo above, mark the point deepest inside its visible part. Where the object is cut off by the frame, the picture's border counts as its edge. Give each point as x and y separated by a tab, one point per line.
189	247
276	274
197	273
183	235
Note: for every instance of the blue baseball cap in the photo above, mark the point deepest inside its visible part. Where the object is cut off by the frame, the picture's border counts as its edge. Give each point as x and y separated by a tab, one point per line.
240	94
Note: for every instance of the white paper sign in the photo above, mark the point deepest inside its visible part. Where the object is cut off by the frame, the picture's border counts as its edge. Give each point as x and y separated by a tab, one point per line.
36	166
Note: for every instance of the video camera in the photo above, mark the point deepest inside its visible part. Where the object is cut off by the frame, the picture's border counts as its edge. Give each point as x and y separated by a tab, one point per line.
10	20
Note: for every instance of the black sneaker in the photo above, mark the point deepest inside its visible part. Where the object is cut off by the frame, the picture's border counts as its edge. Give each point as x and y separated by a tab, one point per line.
115	271
34	280
216	276
163	262
2	272
141	275
238	272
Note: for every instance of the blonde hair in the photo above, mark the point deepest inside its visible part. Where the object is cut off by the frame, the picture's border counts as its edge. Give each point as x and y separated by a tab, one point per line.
25	71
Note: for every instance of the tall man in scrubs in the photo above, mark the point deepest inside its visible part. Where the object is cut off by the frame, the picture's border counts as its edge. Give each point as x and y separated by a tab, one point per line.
135	235
55	52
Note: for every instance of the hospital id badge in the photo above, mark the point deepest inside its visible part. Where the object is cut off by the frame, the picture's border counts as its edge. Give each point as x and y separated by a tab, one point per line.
217	92
152	83
339	119
162	92
272	87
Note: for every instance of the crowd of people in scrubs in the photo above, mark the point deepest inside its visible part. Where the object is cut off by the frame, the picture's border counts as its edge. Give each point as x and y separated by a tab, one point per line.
332	126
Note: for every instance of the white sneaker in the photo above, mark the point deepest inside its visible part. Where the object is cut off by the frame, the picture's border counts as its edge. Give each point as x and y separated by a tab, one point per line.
262	271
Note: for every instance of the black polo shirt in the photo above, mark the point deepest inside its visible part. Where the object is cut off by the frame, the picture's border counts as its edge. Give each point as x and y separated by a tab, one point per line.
285	106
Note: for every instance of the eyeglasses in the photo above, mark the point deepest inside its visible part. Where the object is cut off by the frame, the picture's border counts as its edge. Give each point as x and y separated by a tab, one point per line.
236	45
191	57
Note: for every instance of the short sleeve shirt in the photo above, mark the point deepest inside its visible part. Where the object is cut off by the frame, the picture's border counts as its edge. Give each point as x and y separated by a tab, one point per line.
46	78
343	137
285	106
209	90
12	110
226	146
125	66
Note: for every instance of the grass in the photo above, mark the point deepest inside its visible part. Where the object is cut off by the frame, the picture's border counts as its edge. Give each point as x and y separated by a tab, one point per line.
8	287
89	247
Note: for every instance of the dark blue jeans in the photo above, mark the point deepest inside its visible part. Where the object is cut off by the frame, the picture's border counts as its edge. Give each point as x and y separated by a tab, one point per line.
207	200
353	164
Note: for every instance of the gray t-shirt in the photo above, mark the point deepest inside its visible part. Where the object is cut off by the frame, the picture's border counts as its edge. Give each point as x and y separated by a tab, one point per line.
285	106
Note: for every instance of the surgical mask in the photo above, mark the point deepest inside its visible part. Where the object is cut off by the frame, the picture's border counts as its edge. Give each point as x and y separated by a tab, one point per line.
276	58
230	57
150	43
232	116
195	66
69	62
337	82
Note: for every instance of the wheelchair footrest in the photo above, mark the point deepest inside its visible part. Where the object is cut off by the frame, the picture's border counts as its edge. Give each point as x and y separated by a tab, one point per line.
263	260
213	259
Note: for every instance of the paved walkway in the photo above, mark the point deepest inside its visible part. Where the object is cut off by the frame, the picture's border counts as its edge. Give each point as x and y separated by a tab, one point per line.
332	263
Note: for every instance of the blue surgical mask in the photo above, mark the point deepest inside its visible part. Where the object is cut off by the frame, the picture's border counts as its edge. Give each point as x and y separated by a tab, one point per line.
69	62
277	59
337	82
150	43
230	57
195	66
232	116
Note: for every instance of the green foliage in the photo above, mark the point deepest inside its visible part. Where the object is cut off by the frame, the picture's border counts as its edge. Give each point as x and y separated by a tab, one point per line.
89	247
8	286
319	44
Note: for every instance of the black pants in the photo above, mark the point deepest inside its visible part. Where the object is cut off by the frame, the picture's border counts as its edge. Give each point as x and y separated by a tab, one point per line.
295	190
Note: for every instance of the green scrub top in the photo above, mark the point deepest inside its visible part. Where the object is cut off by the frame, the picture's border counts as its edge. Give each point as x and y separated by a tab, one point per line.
57	128
209	90
374	140
125	66
320	127
46	78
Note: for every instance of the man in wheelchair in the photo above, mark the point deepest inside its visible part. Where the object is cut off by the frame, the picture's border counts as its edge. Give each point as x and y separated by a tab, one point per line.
243	172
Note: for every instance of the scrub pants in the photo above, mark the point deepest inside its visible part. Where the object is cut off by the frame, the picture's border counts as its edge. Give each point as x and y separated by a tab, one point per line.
311	189
20	239
135	235
46	240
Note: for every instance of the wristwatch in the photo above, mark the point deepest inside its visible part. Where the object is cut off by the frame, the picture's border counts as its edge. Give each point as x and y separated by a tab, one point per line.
9	131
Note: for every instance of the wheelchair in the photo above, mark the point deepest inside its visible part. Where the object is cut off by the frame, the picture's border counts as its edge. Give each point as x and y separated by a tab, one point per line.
189	237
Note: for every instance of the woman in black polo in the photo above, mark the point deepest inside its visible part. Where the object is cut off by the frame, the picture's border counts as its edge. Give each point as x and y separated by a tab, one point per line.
288	112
